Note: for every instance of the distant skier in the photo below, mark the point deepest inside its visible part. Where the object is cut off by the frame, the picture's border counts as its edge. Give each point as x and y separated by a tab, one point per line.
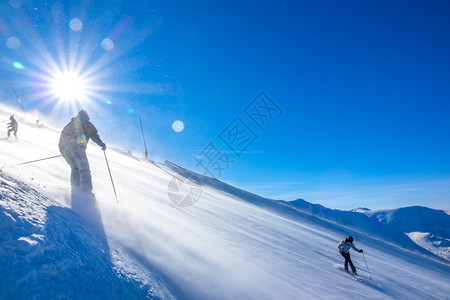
344	250
12	126
72	145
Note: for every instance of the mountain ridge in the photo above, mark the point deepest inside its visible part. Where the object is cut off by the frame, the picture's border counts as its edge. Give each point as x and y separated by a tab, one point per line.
394	224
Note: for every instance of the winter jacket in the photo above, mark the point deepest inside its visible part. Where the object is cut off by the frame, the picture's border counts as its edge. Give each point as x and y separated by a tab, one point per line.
77	134
13	124
345	247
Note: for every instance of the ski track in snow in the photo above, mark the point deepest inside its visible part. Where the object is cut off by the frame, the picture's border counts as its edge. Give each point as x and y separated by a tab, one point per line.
229	245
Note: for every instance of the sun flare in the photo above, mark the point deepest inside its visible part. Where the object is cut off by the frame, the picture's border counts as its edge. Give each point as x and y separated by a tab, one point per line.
69	86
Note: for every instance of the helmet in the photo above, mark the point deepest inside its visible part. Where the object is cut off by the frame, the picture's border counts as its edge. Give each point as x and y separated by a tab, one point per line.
83	116
349	239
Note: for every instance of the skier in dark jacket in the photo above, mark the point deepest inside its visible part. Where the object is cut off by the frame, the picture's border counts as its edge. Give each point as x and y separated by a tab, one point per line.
72	145
12	126
344	250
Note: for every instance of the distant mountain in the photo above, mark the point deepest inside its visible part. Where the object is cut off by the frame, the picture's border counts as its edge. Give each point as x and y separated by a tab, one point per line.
402	226
360	209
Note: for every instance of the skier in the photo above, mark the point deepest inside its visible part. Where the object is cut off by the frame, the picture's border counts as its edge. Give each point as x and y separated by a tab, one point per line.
72	145
344	250
12	126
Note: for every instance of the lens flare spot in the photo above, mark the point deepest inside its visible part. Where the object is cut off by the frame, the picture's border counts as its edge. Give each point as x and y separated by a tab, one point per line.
13	43
69	86
130	111
76	24
107	44
104	100
18	65
178	126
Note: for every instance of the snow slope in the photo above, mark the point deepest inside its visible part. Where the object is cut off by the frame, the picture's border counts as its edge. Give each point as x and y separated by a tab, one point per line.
419	228
229	245
50	252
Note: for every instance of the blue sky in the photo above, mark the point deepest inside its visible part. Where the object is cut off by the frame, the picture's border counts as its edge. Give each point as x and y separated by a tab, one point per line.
359	90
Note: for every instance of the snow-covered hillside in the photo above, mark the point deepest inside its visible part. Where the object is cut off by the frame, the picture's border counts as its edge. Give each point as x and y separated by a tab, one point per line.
419	228
229	244
50	252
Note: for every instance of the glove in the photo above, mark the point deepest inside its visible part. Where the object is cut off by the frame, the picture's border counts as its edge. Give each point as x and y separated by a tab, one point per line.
361	251
103	146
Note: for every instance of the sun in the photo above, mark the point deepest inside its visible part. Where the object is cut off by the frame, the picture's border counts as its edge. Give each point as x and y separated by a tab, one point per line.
69	86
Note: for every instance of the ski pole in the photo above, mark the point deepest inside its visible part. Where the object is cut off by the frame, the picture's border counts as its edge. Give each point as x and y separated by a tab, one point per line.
145	145
112	181
18	99
366	266
32	161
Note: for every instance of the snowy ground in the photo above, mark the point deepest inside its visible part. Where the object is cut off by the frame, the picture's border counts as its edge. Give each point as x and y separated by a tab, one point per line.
415	227
228	245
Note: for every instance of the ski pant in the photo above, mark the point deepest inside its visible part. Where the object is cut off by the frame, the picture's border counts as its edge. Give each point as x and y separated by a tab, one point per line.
348	260
12	130
80	176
